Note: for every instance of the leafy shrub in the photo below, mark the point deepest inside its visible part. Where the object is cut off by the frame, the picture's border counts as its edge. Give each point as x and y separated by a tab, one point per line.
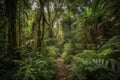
67	48
53	51
112	48
106	52
88	54
113	43
67	55
34	69
67	58
36	65
90	66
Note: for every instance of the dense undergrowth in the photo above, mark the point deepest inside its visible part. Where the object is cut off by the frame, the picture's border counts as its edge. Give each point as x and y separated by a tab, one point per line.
86	33
33	65
102	64
92	41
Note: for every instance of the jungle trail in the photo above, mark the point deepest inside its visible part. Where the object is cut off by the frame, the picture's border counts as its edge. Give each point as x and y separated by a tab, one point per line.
59	40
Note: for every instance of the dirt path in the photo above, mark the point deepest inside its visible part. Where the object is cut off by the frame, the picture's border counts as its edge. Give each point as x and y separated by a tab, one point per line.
61	72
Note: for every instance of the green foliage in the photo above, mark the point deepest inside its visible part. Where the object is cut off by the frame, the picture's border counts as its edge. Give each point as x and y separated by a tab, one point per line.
34	69
67	48
77	26
53	51
88	54
113	43
88	66
67	54
36	66
33	65
106	52
112	48
95	11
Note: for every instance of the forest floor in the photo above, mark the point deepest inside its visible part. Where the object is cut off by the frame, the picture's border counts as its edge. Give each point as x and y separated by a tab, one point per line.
61	73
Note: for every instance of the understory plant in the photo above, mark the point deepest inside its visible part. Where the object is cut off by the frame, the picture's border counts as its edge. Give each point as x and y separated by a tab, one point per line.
37	65
89	65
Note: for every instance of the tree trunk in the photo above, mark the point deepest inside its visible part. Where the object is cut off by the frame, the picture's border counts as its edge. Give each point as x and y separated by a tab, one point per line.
11	8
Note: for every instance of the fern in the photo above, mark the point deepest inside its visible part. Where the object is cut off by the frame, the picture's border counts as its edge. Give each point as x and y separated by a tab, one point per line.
36	65
111	48
90	66
35	69
113	43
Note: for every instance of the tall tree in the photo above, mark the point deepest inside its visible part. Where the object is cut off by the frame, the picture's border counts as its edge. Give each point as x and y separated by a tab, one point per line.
11	9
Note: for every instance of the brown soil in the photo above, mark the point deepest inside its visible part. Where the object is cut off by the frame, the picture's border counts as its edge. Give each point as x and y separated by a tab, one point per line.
61	73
